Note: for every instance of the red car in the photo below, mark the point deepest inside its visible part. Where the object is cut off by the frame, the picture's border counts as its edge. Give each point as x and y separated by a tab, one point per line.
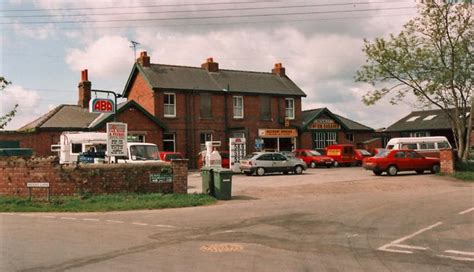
313	158
168	156
393	161
360	155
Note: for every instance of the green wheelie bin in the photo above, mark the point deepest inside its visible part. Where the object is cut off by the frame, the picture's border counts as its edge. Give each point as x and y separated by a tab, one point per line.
222	183
207	180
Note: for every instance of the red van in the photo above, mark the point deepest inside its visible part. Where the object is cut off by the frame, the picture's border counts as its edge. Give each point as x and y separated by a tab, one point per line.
343	154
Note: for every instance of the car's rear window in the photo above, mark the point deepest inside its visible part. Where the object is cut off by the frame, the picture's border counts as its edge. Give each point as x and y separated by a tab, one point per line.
314	153
249	156
364	152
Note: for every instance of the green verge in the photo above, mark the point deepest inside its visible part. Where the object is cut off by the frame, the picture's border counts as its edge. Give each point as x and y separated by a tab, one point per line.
103	203
464	171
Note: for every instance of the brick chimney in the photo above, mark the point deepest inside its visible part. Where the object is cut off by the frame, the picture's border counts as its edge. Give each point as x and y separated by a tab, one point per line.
279	70
210	65
84	90
144	59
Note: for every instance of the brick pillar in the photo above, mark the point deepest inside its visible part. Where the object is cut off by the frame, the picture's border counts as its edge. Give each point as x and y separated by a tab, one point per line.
446	158
180	176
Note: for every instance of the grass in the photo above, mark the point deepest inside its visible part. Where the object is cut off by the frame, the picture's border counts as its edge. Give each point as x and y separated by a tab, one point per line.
103	203
464	171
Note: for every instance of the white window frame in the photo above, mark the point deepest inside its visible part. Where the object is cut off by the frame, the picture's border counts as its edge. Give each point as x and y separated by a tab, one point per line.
290	109
236	107
165	105
167	140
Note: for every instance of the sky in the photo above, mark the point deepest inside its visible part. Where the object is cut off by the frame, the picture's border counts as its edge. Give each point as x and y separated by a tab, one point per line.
44	44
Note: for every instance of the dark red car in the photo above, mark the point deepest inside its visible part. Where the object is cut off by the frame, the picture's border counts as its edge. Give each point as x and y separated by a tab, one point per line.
168	156
360	155
394	161
313	158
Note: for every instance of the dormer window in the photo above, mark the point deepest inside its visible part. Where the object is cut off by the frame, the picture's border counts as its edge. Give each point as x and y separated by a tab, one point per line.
413	118
430	117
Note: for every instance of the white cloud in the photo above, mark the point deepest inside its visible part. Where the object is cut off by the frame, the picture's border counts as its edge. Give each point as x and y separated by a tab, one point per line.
105	57
28	105
37	32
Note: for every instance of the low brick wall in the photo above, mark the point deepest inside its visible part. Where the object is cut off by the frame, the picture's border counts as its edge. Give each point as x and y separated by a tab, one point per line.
446	161
66	180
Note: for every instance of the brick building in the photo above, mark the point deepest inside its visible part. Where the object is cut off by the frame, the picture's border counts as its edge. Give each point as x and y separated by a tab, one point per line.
45	131
321	127
199	104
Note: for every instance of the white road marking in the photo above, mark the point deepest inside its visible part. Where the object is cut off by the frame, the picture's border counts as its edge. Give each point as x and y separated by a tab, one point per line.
68	218
466	211
90	219
409	247
457	258
165	226
139	224
397	242
460	252
26	215
49	216
115	221
7	213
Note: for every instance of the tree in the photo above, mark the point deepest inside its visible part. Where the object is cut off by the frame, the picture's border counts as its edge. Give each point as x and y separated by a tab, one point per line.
431	58
9	116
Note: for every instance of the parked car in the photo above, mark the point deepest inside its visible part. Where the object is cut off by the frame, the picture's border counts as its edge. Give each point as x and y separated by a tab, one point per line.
224	157
394	161
261	163
343	154
313	158
168	156
360	155
289	154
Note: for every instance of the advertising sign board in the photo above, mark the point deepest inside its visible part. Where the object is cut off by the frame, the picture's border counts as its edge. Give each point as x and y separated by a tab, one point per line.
237	151
101	105
116	139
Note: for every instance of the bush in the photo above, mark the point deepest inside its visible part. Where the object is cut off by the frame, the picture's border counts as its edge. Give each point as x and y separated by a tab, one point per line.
464	166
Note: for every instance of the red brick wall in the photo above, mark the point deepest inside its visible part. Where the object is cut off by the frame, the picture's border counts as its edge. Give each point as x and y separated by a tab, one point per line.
93	178
40	142
446	160
140	92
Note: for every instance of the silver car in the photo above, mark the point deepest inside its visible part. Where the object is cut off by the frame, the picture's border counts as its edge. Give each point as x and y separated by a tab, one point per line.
271	162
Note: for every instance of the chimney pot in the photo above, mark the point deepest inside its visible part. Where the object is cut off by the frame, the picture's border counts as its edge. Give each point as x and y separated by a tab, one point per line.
144	59
279	69
84	75
210	65
84	90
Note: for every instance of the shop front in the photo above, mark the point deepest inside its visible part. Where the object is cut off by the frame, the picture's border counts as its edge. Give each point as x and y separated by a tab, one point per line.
277	139
324	132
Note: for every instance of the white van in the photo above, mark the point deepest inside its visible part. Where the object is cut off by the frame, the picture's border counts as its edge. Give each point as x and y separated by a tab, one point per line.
428	146
73	144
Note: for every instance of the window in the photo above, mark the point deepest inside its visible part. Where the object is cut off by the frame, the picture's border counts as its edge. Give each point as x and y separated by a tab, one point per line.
442	145
265	157
400	155
279	157
238	107
323	139
419	134
205	137
135	138
206	106
170	105
350	137
409	146
290	108
169	142
427	146
429	117
265	108
414	155
413	118
76	148
238	135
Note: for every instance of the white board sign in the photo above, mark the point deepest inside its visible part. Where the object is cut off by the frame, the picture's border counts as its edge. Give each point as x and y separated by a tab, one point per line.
116	139
37	184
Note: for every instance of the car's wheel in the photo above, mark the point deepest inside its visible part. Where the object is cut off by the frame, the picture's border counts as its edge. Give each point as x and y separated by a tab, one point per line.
248	173
419	172
285	172
313	164
392	170
336	164
435	169
329	165
377	172
260	171
298	170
